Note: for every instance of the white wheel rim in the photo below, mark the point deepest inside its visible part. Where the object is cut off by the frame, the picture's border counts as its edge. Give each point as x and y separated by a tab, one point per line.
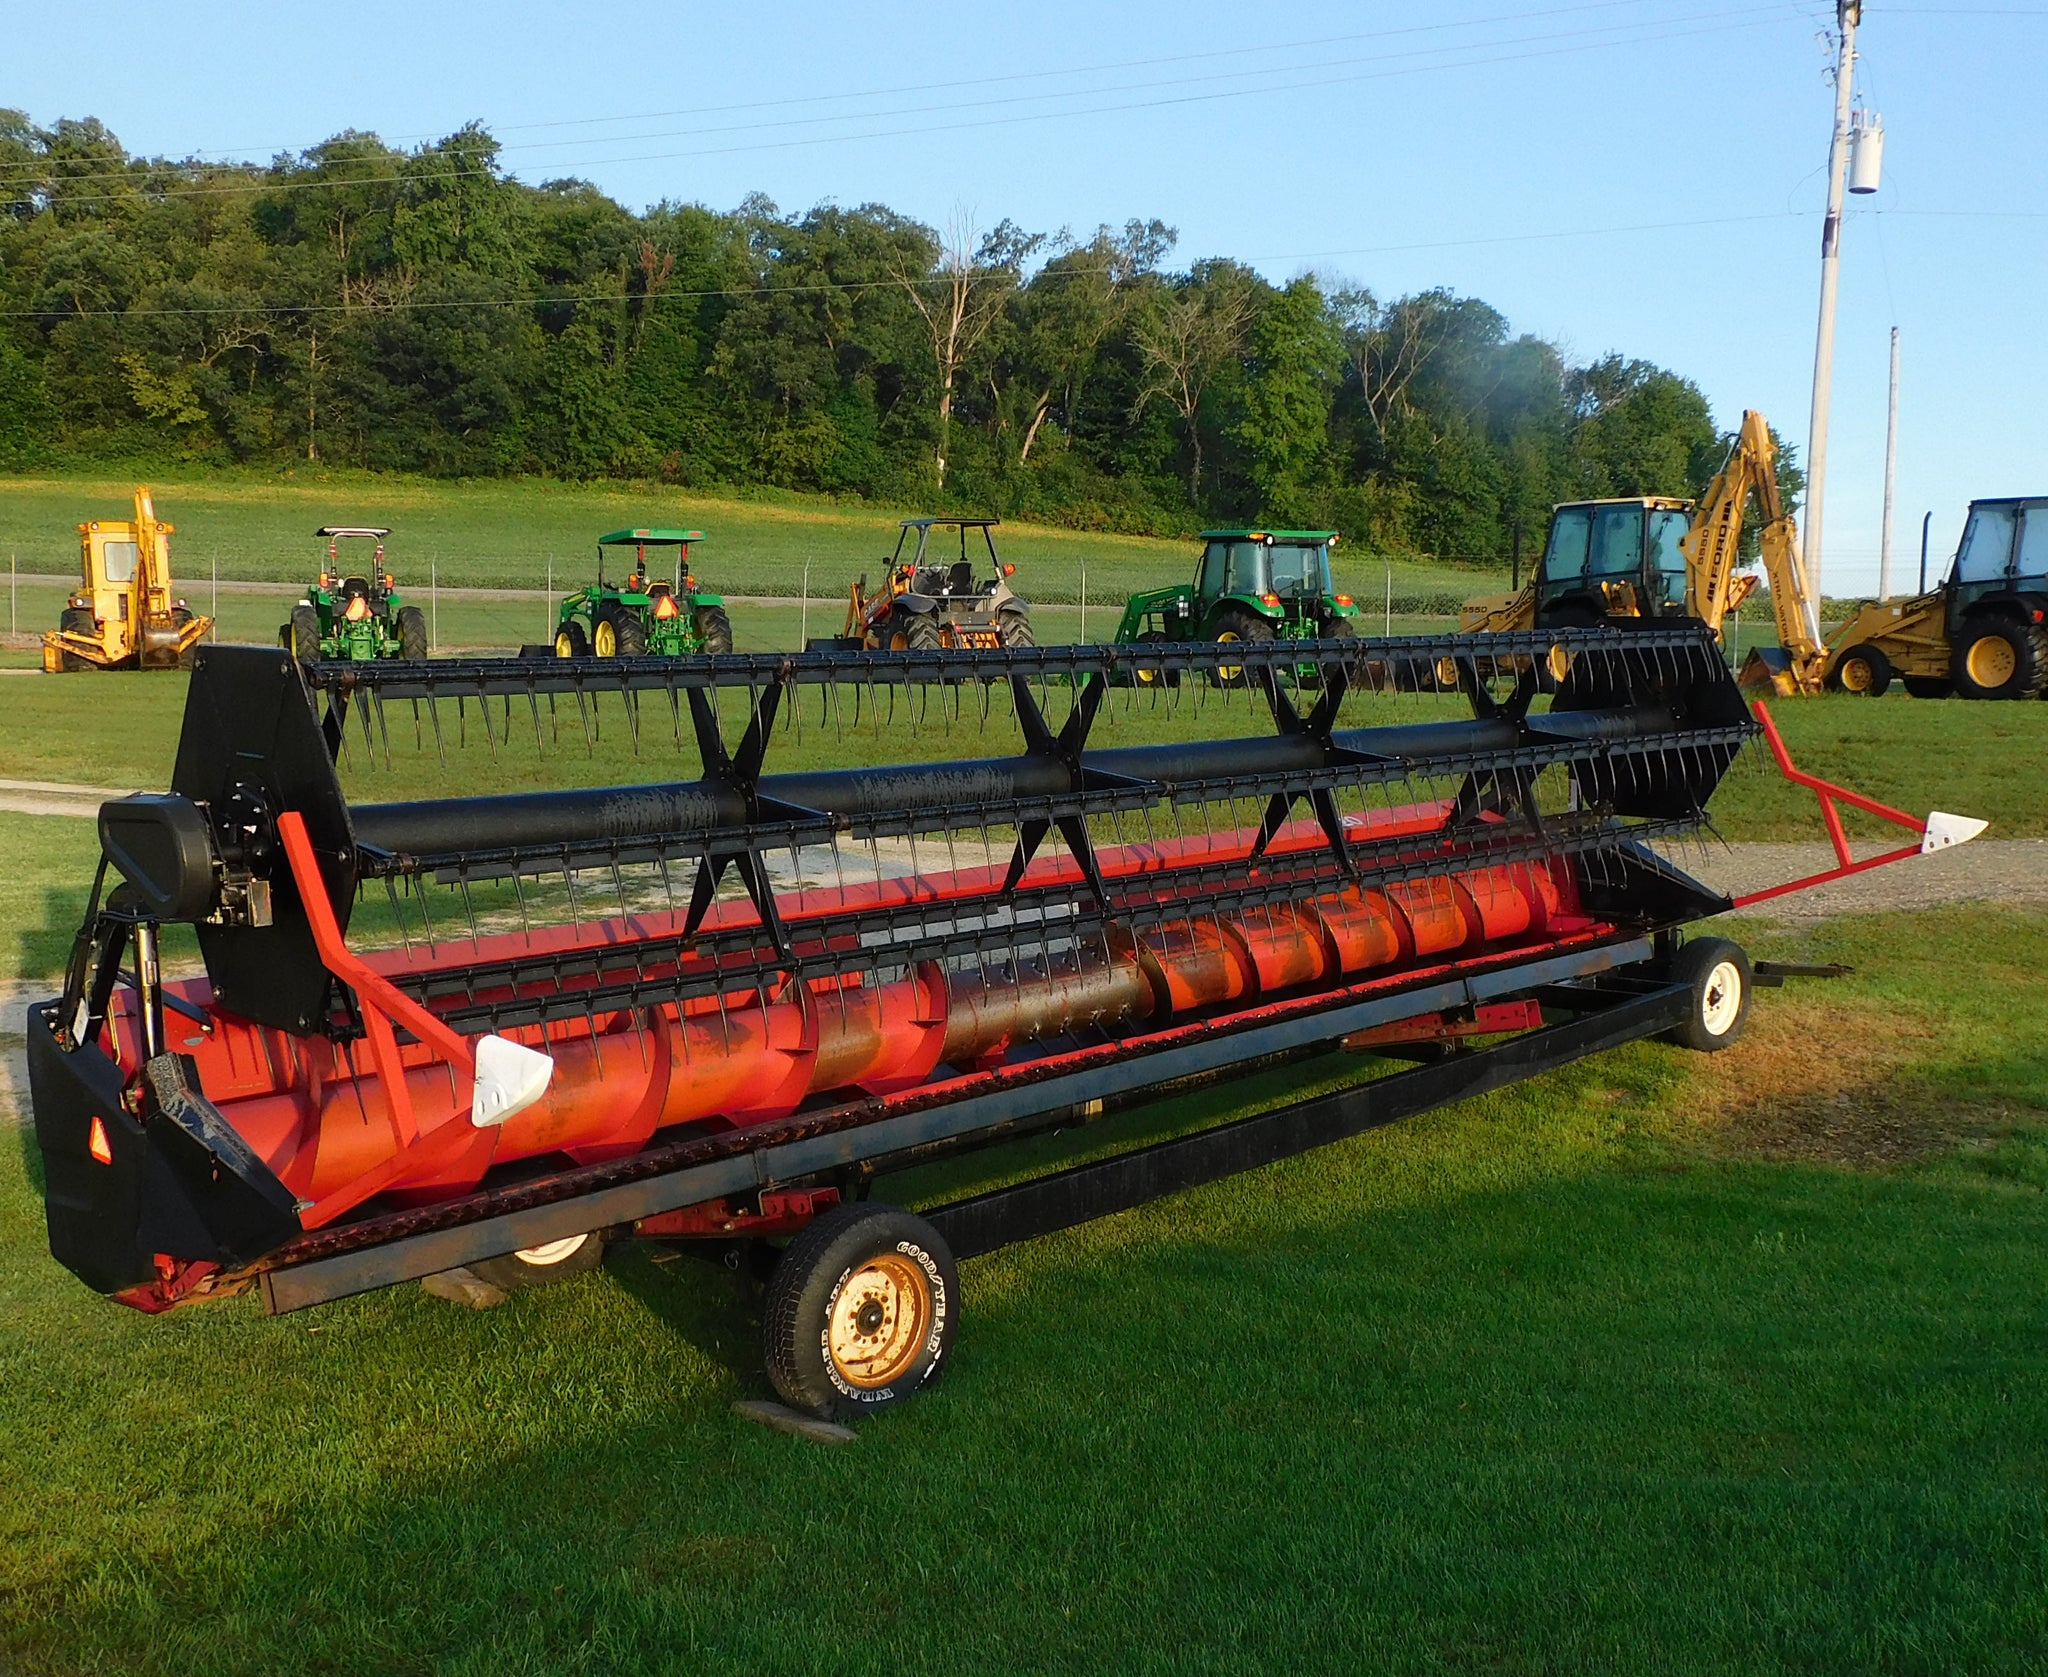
551	1251
1723	999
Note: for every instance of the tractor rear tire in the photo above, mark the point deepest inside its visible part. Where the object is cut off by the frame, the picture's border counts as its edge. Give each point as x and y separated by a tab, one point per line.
1995	658
1720	976
412	634
571	641
1013	624
1235	624
916	631
305	633
860	1311
630	633
714	629
1928	686
1863	670
543	1265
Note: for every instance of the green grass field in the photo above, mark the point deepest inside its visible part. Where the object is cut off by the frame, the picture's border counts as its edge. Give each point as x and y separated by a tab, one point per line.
507	534
1606	1374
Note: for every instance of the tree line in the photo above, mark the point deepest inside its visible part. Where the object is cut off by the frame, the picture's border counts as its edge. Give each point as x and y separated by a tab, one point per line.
419	310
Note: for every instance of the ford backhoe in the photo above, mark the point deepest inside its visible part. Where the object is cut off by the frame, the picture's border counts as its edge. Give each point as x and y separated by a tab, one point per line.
123	615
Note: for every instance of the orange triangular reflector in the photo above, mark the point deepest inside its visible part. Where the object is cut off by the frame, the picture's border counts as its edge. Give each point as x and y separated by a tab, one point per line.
96	1142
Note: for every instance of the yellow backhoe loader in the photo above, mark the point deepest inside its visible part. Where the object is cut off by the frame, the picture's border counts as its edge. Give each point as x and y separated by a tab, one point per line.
124	616
1654	556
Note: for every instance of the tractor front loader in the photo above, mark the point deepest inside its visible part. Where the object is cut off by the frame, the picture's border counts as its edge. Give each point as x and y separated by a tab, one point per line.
124	615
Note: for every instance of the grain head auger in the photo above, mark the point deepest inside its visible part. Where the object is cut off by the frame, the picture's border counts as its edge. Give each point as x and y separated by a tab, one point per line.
494	1030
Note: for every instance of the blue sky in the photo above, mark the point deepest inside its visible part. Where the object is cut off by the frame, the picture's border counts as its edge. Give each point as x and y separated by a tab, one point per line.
1641	175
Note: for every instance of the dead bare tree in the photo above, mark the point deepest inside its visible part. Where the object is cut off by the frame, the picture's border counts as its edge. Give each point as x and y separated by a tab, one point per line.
961	298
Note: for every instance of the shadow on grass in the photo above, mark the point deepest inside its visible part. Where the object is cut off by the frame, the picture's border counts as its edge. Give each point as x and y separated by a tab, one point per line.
1615	1423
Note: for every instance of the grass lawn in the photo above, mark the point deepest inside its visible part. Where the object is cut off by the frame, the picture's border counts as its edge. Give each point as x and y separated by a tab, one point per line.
259	527
1631	1369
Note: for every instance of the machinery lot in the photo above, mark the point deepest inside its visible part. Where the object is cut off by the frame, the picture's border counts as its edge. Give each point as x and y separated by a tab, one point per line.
1771	1319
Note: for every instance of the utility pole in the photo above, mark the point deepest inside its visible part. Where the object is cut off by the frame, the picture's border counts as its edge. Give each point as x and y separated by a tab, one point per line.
1891	463
1848	13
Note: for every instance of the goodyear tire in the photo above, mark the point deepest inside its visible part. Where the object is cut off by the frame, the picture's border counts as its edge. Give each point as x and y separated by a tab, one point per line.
860	1311
412	633
1994	658
305	634
714	628
1720	976
630	635
1863	670
1234	625
571	641
543	1265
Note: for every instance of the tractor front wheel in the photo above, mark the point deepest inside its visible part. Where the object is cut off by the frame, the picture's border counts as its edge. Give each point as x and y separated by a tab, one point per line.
1155	678
412	633
1233	623
1862	669
305	634
571	641
714	628
79	621
860	1311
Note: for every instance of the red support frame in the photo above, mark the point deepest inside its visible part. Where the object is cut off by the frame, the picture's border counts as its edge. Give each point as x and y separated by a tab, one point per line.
1830	795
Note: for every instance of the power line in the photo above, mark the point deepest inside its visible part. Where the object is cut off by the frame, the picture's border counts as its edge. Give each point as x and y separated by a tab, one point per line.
1751	15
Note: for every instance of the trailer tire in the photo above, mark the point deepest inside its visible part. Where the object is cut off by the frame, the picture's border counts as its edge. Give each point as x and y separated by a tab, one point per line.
543	1265
1720	976
412	634
860	1311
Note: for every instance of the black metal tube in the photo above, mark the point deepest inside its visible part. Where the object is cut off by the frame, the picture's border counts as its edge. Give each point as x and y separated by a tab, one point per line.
538	821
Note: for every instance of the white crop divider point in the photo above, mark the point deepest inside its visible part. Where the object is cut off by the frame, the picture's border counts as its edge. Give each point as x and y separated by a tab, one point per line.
510	1077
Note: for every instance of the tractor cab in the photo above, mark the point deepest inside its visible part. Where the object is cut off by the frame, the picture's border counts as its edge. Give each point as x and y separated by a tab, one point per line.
1619	558
2001	567
1257	585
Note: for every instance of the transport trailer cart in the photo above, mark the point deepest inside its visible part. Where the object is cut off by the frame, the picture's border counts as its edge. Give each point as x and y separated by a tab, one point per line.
572	1034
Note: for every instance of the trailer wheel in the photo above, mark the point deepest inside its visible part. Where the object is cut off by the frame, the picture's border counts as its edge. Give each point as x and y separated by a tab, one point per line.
860	1311
543	1265
1719	974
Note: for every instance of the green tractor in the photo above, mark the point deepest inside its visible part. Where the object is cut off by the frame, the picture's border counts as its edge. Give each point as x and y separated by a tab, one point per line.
641	616
356	616
1251	585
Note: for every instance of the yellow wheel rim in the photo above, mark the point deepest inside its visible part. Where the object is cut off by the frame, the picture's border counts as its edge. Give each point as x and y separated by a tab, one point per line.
1856	676
564	646
1991	661
1228	672
605	643
880	1320
1559	662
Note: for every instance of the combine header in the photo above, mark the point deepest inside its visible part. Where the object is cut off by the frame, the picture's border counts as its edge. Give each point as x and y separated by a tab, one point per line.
499	1030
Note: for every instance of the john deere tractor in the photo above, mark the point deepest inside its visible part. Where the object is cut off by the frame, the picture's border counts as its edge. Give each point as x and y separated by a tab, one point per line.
351	614
1251	585
641	615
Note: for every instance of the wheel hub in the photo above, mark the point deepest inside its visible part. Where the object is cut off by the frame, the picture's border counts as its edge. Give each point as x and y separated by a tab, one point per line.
1723	999
879	1320
1991	661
